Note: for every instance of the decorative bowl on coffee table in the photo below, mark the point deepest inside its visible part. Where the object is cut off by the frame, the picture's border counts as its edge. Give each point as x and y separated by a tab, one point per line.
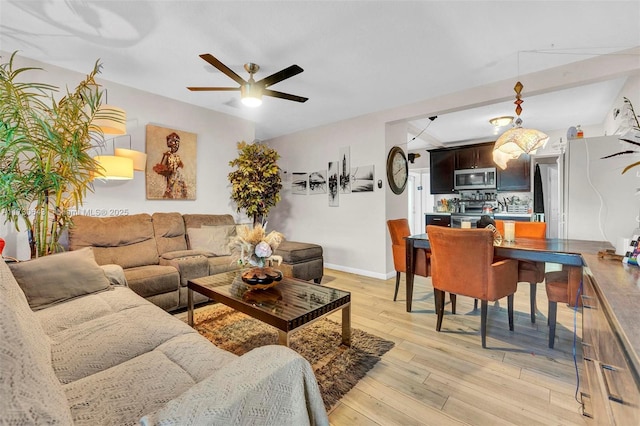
261	278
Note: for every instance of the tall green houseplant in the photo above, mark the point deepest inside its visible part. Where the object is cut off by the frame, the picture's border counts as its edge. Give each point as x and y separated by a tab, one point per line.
256	183
45	166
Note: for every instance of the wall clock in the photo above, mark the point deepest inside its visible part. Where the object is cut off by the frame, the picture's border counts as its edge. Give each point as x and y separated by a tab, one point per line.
397	170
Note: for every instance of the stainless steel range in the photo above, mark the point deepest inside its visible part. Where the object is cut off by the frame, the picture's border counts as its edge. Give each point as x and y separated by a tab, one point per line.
473	205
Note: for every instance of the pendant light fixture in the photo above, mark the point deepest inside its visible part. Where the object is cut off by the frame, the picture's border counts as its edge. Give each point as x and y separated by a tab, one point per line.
139	158
112	120
517	140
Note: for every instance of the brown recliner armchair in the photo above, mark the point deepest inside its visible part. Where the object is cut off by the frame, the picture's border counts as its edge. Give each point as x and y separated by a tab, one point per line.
529	272
399	229
462	263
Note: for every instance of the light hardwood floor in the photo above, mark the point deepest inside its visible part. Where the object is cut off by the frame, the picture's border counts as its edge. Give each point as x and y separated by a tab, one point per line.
432	378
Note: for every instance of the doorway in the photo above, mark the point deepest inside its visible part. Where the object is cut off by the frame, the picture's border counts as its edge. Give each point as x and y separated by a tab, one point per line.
551	172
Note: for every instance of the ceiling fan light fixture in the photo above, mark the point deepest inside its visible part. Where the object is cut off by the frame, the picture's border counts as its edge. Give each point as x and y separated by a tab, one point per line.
251	95
505	120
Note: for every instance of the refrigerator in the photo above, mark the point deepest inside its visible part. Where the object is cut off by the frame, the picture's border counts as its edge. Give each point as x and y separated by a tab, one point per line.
600	203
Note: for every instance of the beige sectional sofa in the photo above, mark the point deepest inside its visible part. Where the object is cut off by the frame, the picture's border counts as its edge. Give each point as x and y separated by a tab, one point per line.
154	251
79	347
161	252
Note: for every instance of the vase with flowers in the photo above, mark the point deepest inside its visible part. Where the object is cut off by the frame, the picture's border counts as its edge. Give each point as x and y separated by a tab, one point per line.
253	250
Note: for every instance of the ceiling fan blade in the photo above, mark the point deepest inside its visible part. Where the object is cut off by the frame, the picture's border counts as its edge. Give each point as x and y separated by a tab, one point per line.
286	96
280	75
222	67
208	89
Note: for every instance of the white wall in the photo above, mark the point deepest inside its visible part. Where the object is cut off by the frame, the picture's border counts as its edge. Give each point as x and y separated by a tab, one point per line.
352	234
217	137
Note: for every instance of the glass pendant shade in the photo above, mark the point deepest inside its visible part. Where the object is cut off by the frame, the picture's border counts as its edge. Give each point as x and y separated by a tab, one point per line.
515	142
251	94
111	167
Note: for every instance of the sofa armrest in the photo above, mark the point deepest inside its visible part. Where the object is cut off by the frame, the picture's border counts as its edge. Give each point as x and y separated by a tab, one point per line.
185	253
189	266
269	385
115	275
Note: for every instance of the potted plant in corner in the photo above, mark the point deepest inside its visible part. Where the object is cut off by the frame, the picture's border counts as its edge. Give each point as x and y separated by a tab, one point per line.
256	184
45	166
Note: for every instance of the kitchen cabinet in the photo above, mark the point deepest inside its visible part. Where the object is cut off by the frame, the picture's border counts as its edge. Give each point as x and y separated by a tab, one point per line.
517	175
442	164
438	220
475	156
609	391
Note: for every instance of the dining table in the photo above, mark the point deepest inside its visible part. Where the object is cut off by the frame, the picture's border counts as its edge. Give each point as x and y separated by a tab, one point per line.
552	250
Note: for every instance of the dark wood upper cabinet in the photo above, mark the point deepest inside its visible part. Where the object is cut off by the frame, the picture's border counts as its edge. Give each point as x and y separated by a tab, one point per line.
517	175
475	156
443	163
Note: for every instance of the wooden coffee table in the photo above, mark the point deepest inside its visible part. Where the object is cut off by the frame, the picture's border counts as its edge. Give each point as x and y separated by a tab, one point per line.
291	304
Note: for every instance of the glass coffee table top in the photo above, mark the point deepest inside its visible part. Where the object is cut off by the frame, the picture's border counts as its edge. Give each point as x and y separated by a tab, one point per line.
290	304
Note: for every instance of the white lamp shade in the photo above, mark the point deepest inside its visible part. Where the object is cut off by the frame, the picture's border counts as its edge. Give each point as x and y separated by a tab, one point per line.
139	158
111	167
515	142
111	120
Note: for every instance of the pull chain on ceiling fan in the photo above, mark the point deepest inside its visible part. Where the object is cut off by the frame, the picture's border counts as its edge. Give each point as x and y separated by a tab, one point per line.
252	91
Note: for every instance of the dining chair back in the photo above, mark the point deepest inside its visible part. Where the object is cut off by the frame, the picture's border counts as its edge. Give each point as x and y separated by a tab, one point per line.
529	272
399	230
462	263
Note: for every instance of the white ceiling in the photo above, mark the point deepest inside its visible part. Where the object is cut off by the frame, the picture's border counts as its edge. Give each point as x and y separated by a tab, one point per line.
359	56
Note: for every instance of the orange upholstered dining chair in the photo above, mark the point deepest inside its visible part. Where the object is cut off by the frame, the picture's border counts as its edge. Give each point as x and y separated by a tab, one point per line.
562	286
462	263
399	229
529	272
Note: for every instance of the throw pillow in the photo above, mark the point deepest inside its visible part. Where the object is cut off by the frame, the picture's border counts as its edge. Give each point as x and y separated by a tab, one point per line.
53	279
215	239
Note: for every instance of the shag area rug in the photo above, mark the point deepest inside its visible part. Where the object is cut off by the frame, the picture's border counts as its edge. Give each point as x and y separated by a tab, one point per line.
337	368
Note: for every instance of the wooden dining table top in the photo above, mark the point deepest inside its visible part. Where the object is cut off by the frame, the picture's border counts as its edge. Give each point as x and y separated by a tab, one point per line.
552	250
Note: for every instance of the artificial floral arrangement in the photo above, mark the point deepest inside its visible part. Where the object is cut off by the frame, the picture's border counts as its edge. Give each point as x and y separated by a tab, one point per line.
635	132
254	247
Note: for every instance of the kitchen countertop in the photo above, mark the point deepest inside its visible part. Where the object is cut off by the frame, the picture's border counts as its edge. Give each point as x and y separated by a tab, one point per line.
497	215
505	214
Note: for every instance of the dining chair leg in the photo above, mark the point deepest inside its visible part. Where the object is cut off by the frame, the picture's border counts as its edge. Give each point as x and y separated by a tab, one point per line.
510	310
483	322
395	295
532	299
475	304
452	298
439	300
553	310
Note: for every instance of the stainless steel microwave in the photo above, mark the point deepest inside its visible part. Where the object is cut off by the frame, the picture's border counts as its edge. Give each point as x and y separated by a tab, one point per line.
475	179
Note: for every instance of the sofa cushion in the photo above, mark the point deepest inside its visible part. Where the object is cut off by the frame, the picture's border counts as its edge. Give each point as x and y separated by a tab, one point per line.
127	391
169	231
128	241
197	220
222	264
77	353
270	385
30	393
214	239
56	278
153	279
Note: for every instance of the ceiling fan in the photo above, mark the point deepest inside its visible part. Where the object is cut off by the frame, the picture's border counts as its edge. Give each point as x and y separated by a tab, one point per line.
251	90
